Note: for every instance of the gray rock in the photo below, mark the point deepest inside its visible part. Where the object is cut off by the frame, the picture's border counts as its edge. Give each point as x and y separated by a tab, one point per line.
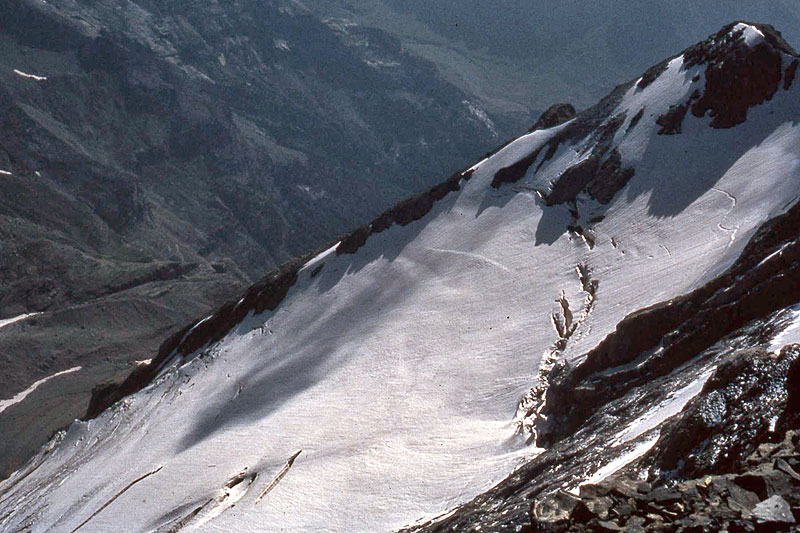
555	115
784	467
774	510
554	508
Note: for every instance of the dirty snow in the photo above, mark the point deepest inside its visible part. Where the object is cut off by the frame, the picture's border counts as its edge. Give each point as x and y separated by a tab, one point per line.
622	461
670	407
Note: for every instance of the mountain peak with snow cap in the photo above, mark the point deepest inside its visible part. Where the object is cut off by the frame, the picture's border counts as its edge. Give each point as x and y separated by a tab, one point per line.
719	80
745	65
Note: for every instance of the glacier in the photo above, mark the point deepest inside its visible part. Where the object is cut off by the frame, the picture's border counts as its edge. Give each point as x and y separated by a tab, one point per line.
384	390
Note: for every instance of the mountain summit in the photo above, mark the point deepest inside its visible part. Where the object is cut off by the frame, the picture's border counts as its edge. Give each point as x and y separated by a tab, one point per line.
538	322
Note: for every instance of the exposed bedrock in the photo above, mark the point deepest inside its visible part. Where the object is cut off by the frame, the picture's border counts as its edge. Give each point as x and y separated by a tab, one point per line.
721	465
555	115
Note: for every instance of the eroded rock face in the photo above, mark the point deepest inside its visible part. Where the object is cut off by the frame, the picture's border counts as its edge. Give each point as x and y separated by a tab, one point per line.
601	174
741	469
738	76
555	115
738	408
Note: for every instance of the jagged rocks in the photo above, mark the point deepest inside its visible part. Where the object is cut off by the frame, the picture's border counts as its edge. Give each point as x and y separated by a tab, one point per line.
554	509
791	417
555	115
706	504
610	178
672	120
737	77
773	512
744	78
592	122
739	405
573	180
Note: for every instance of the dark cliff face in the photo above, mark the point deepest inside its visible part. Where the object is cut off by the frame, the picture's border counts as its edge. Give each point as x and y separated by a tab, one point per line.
159	157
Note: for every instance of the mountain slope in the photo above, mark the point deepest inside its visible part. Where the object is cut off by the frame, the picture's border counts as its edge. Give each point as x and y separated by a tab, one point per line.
521	56
402	372
157	157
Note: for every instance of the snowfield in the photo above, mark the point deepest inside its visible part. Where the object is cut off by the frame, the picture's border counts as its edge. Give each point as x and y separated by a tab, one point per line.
396	372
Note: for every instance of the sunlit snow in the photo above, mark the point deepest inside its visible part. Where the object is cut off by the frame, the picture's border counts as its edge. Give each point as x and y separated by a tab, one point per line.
8	321
397	370
30	76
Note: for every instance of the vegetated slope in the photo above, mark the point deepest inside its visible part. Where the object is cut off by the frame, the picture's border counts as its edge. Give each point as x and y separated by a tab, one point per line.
519	56
415	364
157	157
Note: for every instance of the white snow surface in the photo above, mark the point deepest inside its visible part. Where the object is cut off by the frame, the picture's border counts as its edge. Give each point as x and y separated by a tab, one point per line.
622	461
790	334
752	35
8	321
33	77
397	370
5	404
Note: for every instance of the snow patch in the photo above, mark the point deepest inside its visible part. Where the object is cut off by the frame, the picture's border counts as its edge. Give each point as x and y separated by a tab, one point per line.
622	461
8	321
30	76
481	115
752	35
282	44
381	63
5	404
790	334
